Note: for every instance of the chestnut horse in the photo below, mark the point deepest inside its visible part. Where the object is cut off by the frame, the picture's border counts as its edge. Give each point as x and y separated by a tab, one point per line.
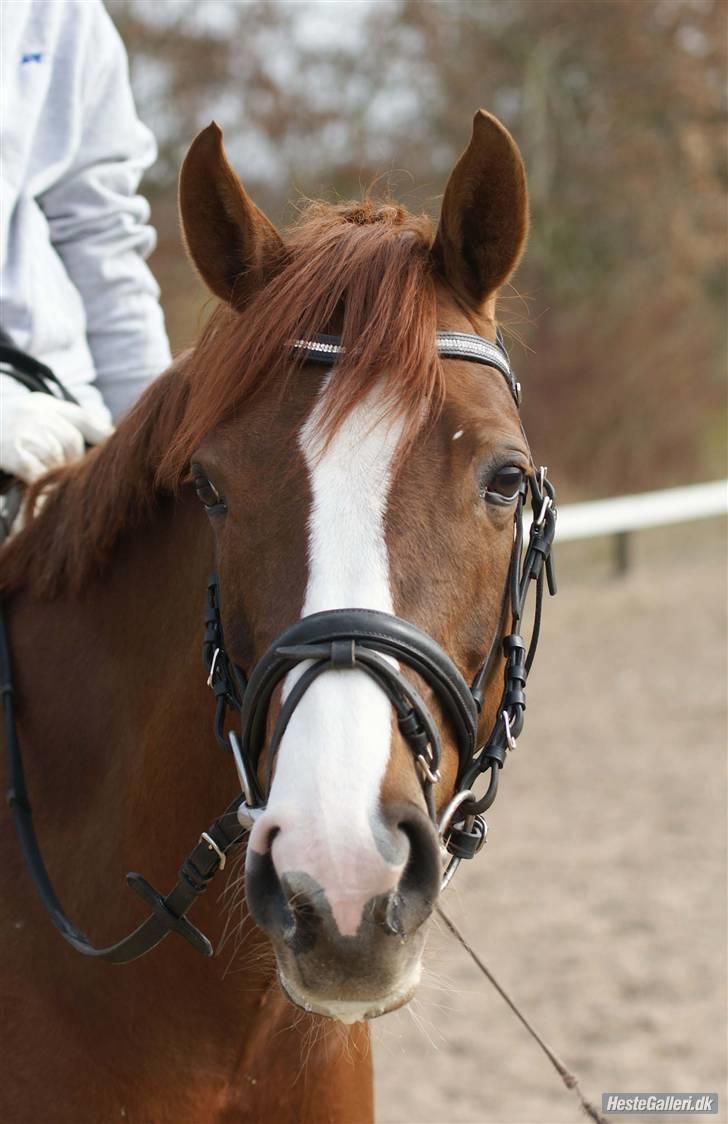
388	484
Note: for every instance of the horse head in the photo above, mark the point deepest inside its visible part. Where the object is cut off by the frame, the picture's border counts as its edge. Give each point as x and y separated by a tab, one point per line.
343	498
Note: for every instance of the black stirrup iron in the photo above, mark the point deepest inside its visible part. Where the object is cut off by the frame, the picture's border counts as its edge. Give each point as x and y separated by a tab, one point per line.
352	638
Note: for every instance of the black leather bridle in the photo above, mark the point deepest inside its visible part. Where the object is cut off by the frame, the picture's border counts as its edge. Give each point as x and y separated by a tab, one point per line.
360	639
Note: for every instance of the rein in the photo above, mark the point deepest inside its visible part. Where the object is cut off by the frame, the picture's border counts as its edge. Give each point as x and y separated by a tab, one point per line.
30	372
569	1079
366	640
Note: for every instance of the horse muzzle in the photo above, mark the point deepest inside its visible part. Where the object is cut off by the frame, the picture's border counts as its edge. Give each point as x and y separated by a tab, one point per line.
358	940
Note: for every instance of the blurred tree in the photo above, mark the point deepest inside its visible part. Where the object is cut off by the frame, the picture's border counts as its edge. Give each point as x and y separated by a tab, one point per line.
620	110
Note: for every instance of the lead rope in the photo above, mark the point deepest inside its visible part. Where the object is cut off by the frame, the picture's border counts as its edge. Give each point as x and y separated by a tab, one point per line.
568	1078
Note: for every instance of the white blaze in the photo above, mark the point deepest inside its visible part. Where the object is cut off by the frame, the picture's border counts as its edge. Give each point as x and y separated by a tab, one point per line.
334	754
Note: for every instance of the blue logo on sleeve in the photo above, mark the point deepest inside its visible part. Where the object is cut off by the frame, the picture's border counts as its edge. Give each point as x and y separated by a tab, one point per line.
31	56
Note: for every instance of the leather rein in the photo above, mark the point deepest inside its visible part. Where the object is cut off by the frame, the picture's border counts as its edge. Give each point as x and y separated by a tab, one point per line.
361	639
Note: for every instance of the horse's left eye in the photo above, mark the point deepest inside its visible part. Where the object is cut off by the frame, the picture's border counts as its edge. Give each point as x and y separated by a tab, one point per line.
502	486
208	493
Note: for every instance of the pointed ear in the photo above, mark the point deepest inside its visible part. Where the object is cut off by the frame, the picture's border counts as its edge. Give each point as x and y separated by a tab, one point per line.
234	246
484	218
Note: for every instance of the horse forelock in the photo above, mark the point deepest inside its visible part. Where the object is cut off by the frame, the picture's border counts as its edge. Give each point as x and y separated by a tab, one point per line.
363	269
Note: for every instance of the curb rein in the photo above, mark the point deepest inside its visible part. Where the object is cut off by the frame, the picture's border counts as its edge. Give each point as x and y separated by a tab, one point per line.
360	639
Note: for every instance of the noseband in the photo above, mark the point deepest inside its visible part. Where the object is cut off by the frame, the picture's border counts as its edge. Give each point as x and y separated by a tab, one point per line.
365	640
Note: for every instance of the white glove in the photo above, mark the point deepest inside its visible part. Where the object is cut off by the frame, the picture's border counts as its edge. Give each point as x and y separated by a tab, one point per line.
39	432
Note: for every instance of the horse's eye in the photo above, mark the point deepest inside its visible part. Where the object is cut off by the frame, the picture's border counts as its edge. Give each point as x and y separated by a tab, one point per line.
502	486
207	493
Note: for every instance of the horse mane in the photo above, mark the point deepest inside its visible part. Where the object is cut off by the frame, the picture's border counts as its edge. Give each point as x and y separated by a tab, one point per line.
364	267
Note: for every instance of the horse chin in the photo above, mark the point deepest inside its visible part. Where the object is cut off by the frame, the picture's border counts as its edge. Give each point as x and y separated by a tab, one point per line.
352	1010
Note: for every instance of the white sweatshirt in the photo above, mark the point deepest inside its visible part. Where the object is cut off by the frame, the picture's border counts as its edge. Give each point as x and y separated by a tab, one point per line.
75	290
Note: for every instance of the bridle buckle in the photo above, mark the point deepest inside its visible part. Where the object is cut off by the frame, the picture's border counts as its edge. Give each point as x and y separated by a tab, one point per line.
433	777
204	837
510	740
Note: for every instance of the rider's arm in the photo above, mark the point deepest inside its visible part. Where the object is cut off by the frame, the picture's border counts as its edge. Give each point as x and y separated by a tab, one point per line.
98	222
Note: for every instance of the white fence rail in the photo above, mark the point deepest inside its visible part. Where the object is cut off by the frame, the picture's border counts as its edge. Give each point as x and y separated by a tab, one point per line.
637	513
623	514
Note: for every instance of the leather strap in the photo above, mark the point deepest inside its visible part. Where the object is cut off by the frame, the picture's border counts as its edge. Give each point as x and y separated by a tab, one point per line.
30	372
326	349
416	723
371	629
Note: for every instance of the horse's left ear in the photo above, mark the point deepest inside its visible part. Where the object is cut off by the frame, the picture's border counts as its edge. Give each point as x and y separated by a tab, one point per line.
232	243
484	218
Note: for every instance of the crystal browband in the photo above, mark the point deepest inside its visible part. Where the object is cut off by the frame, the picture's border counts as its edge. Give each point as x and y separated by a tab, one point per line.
450	345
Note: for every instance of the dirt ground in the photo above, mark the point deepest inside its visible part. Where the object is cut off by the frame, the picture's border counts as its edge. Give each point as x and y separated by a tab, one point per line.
600	900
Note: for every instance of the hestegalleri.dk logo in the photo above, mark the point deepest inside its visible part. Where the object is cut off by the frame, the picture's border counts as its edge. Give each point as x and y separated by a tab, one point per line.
675	1103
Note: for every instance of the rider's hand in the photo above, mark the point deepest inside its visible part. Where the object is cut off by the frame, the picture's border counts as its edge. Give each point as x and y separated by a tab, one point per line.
39	432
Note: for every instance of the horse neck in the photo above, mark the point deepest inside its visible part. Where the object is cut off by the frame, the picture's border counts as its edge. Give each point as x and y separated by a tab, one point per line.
115	719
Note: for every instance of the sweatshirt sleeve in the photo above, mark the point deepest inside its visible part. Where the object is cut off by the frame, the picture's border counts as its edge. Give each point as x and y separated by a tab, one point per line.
99	224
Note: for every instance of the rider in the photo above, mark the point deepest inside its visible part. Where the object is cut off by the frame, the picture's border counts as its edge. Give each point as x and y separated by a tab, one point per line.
75	291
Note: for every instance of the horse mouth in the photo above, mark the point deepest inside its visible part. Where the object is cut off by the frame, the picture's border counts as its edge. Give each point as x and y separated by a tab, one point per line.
351	1010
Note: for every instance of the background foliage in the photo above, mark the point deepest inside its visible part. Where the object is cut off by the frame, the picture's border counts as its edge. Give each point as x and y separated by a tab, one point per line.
616	318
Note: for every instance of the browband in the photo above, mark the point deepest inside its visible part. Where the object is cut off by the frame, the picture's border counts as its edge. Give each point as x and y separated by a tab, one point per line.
450	345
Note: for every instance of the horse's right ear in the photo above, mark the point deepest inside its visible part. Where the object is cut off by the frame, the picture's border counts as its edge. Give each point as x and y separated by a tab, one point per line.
234	246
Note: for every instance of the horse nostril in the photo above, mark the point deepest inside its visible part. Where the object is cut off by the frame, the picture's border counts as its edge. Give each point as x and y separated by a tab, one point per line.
419	885
307	919
387	912
266	897
401	911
